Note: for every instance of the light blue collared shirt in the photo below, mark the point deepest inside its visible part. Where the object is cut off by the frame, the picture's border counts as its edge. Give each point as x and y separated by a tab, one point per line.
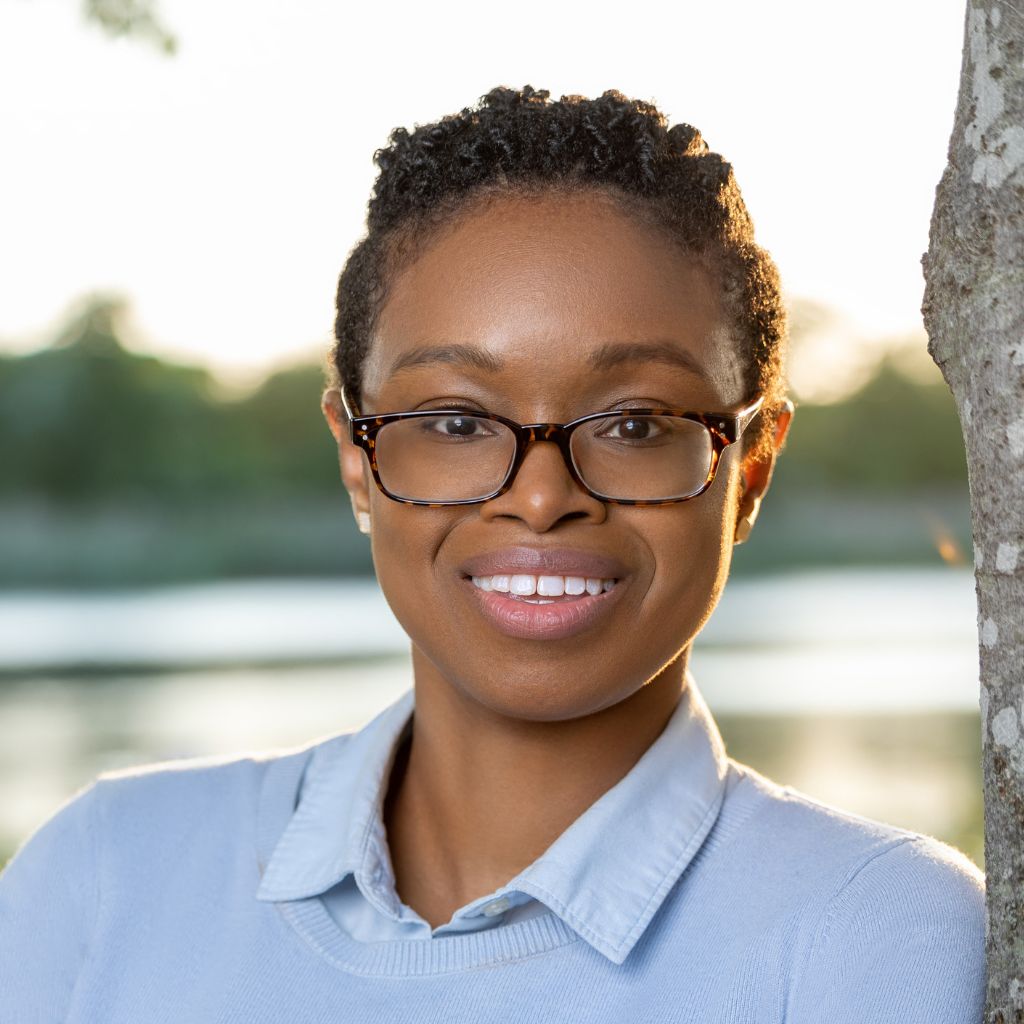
604	876
235	889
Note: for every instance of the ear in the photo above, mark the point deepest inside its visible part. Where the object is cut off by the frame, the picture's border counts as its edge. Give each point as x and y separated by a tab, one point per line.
756	474
354	467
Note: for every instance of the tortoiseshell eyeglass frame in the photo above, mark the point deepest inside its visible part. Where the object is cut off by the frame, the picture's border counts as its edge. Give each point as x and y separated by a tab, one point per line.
724	428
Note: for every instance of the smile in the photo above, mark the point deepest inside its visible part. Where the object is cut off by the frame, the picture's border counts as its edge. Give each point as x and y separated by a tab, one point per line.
548	589
543	607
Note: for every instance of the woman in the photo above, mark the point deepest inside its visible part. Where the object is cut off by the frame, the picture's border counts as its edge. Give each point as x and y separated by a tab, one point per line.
558	399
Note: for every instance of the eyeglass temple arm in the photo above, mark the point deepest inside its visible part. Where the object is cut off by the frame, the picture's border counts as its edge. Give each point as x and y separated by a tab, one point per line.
744	416
351	409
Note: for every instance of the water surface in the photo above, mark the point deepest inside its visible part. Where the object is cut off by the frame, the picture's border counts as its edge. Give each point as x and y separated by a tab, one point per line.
857	686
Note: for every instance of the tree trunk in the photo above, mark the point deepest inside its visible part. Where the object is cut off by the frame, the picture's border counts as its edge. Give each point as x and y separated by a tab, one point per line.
974	313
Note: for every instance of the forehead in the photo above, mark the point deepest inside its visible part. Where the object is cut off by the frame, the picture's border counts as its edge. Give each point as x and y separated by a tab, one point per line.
552	291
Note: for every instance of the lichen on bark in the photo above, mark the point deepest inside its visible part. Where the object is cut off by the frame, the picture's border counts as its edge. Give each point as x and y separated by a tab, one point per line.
974	313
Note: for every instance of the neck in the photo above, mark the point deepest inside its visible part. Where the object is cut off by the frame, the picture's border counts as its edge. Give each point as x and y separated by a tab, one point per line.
475	796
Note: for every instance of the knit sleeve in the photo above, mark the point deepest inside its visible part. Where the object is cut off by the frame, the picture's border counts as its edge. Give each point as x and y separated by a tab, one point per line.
48	907
902	940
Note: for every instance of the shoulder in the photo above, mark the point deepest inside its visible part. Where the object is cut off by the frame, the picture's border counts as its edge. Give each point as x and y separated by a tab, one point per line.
212	791
819	839
886	919
147	850
138	818
187	830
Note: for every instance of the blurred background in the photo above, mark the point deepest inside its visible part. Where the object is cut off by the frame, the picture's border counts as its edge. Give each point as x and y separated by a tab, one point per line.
182	184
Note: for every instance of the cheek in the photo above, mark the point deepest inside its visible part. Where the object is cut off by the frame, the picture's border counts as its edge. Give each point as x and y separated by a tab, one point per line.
692	553
404	541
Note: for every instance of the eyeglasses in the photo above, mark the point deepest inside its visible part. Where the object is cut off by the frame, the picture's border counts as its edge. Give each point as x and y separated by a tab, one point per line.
439	457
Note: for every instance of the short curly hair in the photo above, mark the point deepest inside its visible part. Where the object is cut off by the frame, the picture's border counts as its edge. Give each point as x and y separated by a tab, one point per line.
520	143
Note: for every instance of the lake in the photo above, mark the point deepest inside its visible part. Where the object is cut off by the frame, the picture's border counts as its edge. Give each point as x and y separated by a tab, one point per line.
858	686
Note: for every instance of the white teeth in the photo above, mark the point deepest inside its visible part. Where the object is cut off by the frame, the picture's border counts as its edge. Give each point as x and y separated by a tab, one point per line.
551	586
523	585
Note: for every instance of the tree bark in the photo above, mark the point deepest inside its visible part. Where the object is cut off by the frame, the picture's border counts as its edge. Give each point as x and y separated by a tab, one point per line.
974	314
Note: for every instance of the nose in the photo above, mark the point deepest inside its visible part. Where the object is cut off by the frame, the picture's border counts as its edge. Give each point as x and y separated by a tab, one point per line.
544	492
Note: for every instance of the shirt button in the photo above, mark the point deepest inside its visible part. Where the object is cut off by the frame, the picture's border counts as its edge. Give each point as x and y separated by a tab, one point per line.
496	907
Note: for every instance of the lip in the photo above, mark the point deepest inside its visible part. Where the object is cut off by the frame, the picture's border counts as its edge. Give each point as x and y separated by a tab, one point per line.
546	562
554	621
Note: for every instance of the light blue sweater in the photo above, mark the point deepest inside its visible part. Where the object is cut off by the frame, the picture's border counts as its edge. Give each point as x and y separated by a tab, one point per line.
258	888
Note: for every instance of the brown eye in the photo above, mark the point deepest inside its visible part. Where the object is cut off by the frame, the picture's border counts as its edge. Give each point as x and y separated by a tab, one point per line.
632	428
456	426
462	426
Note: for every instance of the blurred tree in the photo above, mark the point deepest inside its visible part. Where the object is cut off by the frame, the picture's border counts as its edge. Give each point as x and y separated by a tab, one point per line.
137	19
895	433
285	430
974	312
86	418
122	468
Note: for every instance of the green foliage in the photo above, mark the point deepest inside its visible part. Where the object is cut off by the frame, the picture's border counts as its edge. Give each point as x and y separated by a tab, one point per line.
136	19
286	434
896	434
86	419
878	478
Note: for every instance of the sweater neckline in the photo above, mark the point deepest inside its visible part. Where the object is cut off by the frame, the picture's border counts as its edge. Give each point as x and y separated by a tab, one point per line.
408	957
595	882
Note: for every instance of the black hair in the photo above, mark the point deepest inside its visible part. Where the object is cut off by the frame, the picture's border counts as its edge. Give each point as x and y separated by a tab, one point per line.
520	143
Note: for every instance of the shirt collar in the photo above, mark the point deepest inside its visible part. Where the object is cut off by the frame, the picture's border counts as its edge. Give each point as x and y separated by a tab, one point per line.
598	876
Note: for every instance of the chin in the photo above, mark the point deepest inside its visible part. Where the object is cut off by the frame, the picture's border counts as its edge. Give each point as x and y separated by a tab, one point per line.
546	691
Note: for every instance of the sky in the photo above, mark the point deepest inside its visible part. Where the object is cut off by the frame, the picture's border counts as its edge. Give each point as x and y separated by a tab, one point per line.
220	190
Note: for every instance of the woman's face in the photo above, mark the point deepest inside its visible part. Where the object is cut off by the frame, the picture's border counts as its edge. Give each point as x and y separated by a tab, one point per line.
537	288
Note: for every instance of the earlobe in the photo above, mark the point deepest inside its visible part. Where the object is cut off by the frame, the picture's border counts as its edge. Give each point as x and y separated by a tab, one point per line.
743	527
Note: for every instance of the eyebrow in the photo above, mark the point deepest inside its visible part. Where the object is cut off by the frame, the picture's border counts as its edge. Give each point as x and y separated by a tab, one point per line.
463	355
607	357
616	353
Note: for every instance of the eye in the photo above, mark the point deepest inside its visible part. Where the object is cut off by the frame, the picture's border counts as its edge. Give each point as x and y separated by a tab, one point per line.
632	428
457	426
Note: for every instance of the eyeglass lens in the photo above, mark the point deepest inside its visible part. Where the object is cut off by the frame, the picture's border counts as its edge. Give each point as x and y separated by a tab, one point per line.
459	457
